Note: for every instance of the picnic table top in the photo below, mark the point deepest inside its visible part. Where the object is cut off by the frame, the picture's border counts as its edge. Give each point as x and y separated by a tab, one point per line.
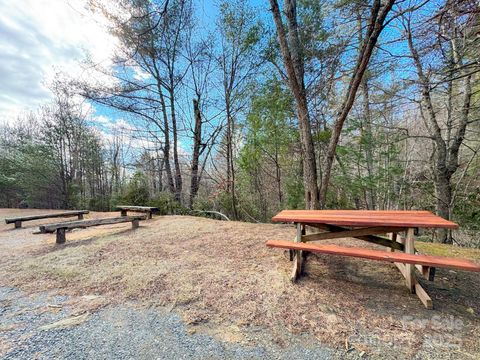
134	207
393	218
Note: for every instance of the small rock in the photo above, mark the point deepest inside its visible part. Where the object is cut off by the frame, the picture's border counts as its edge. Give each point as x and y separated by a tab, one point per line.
71	321
56	306
362	354
471	311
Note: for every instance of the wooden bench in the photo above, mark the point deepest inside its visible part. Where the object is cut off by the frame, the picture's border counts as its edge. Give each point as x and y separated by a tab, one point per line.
426	260
143	209
18	220
61	228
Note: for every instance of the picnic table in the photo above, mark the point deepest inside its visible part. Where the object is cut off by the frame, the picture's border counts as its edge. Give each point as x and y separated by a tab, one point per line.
367	225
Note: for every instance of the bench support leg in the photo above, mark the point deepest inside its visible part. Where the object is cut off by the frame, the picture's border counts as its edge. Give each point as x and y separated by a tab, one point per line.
410	268
298	256
135	224
123	212
431	274
18	224
408	271
150	215
80	216
60	236
423	296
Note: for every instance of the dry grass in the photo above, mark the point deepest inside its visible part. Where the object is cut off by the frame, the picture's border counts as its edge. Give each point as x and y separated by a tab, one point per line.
220	275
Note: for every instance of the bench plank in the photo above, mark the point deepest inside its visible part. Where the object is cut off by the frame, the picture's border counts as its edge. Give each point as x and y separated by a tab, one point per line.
46	216
88	223
427	260
146	209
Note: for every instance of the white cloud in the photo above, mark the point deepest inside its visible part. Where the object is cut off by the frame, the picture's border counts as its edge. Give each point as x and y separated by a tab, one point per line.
140	74
123	125
40	38
100	119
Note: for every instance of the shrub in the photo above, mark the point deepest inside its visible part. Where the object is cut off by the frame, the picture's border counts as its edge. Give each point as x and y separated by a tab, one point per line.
167	204
136	192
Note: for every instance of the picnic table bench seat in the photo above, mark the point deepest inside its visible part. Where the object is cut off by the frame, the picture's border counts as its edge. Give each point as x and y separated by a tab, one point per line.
368	225
427	260
19	219
149	210
61	228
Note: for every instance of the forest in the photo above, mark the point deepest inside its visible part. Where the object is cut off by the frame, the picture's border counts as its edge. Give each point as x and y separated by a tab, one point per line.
335	104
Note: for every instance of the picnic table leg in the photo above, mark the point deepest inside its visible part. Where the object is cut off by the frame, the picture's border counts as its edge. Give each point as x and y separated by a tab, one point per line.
135	224
297	261
150	216
410	268
408	272
80	216
60	236
123	212
304	253
18	224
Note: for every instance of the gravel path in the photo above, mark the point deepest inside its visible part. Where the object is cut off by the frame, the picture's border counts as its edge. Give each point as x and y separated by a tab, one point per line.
115	333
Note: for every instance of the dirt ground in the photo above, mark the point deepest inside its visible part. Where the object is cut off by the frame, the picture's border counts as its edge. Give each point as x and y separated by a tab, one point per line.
222	279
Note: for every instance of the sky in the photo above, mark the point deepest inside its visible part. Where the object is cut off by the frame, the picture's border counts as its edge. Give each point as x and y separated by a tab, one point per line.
39	38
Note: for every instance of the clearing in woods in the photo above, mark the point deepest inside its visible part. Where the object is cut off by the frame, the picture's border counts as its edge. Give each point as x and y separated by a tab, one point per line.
223	281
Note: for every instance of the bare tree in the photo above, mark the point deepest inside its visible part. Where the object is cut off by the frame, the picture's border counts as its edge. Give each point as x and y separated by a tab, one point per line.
376	23
293	61
238	61
446	128
152	42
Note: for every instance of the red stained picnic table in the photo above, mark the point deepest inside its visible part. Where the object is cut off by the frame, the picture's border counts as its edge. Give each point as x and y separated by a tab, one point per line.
391	218
367	225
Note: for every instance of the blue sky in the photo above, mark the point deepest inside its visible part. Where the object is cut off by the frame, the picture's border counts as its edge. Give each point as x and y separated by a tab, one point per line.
40	37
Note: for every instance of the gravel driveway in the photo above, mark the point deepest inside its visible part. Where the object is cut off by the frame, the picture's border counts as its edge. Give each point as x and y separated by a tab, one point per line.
34	327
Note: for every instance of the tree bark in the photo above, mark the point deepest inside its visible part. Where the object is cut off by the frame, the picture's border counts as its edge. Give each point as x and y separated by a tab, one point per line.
176	162
197	139
366	129
230	156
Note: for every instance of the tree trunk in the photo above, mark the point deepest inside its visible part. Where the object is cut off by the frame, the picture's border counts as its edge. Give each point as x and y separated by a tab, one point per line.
178	174
368	144
278	177
197	139
366	128
230	159
443	192
166	132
